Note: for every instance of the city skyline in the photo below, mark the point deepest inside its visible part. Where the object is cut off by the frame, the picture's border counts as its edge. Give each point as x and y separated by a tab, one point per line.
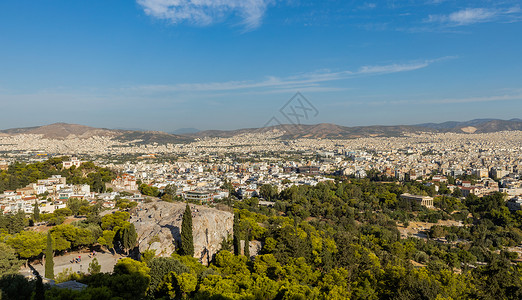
164	65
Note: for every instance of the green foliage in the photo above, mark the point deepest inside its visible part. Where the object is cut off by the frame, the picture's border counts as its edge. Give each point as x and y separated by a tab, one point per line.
36	211
9	263
16	287
118	286
27	244
107	239
148	255
69	236
335	240
187	241
66	275
124	204
149	190
268	192
78	206
13	223
116	219
126	236
94	266
162	266
127	269
130	266
170	190
49	257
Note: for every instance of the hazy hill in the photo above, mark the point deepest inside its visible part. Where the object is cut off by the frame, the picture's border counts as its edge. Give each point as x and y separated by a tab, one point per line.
67	131
476	126
323	130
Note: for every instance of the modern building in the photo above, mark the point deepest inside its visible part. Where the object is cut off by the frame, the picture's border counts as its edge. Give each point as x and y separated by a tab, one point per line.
203	196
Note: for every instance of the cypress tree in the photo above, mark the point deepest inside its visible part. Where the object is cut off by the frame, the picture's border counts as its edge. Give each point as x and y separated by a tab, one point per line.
36	211
49	262
246	251
127	237
236	242
187	241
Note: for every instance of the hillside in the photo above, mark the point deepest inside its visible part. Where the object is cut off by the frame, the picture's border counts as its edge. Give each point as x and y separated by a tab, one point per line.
289	131
70	131
323	130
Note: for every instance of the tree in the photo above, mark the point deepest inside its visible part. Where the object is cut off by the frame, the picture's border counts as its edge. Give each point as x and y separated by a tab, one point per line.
148	255
237	238
246	251
162	266
17	222
107	239
36	211
130	266
94	267
268	192
149	190
16	287
187	240
457	193
75	204
9	263
98	185
127	237
49	260
116	219
69	236
170	190
27	244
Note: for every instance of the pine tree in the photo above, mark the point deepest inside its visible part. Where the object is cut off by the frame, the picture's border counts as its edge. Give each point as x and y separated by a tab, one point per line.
49	262
36	211
94	267
187	241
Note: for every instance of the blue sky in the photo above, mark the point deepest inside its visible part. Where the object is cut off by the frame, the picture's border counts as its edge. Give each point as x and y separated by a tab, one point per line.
225	64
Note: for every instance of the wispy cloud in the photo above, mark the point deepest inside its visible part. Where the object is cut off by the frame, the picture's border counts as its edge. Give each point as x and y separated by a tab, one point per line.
495	98
470	16
306	80
206	12
464	100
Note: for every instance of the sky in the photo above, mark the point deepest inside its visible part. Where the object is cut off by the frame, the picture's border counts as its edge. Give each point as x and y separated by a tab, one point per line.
227	64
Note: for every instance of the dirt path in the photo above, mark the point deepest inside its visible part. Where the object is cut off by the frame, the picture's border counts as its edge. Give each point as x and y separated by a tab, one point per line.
106	261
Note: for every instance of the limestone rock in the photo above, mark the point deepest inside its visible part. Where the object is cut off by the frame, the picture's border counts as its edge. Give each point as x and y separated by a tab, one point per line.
158	225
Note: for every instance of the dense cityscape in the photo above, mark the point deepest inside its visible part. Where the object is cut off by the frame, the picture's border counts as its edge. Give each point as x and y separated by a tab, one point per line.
120	200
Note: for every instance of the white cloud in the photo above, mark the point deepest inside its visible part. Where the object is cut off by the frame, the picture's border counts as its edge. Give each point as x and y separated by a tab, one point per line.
306	80
465	100
206	12
473	15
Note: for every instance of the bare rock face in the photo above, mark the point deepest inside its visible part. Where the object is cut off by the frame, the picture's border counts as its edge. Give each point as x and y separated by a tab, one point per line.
158	225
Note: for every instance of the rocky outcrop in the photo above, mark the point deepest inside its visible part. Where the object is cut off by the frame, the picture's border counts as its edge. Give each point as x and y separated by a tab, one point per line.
158	225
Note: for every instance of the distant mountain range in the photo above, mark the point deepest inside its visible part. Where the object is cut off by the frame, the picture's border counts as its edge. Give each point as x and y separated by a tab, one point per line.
64	131
324	130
